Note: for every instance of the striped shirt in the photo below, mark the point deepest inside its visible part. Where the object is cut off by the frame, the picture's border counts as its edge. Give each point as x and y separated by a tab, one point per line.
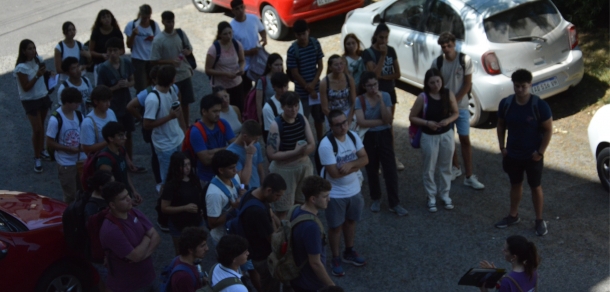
291	133
307	63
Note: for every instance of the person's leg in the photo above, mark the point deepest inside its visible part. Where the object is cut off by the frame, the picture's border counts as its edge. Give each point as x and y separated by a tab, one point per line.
534	177
37	124
429	150
466	148
188	96
306	107
66	176
349	233
335	217
129	145
516	192
387	159
246	84
334	238
372	168
154	161
139	74
267	282
236	95
445	152
514	168
538	201
305	170
164	158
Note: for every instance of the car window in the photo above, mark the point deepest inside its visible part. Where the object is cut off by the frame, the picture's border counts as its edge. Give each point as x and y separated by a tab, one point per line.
9	224
406	13
442	18
534	19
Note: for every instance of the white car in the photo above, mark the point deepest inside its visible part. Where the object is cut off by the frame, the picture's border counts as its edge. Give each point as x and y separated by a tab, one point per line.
499	36
599	141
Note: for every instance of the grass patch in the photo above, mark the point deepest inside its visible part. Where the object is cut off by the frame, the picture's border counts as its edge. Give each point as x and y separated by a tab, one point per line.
594	46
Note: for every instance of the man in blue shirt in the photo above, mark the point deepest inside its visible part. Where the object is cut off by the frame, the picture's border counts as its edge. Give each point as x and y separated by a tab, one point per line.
246	146
529	122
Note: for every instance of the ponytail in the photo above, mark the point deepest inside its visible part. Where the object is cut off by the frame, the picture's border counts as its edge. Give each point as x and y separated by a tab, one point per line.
526	252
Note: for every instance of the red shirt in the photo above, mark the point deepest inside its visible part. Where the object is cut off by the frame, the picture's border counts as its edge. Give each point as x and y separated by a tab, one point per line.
183	281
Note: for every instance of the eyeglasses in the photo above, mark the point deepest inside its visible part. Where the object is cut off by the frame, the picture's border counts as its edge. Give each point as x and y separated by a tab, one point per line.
371	85
121	136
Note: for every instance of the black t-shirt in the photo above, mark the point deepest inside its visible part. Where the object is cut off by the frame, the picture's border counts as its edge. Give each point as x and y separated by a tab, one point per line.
100	40
258	226
388	67
93	206
183	193
434	112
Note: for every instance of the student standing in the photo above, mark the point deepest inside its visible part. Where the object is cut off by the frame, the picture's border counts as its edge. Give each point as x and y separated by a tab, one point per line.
192	246
91	137
250	164
104	28
75	80
337	89
264	89
69	47
140	35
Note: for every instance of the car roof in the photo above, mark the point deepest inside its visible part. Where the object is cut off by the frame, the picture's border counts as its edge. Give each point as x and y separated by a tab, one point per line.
35	211
490	7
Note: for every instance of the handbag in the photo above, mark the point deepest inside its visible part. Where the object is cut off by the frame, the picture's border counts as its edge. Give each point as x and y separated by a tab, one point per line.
258	63
415	130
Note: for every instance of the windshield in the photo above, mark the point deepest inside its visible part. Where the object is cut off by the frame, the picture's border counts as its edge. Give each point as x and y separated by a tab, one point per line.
9	224
530	21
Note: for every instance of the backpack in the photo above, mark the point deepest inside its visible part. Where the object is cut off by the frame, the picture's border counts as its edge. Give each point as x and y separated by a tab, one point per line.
147	133
415	130
250	112
60	123
190	58
295	48
234	225
281	260
61	48
73	221
46	76
273	108
89	165
217	48
187	148
222	284
65	83
168	272
333	141
535	110
215	181
94	225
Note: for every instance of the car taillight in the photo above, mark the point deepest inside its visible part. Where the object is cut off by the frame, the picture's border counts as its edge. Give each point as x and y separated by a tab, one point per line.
491	63
572	36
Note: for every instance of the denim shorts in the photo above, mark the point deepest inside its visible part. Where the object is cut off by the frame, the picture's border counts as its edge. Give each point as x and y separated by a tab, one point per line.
345	208
463	123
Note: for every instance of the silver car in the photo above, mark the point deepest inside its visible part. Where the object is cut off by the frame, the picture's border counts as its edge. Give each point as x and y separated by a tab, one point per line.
499	36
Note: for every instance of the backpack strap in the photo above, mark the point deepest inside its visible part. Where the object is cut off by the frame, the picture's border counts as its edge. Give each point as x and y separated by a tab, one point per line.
65	84
215	181
273	108
507	103
153	26
60	123
462	59
85	80
61	49
94	127
235	46
515	282
201	128
425	105
295	48
221	126
181	35
439	61
347	80
224	283
159	99
535	109
79	115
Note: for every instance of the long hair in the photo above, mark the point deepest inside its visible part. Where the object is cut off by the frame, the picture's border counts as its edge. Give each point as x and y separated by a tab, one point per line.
270	60
329	64
358	43
23	45
526	252
175	172
222	26
382	27
366	76
444	92
98	20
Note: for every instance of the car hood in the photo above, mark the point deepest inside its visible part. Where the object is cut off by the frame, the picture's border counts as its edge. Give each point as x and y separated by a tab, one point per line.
33	210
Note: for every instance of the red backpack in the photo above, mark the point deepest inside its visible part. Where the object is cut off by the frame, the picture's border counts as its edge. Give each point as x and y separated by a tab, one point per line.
250	111
187	148
94	225
90	163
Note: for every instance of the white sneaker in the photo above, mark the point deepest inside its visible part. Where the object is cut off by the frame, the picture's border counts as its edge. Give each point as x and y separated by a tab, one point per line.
455	172
158	188
473	182
399	165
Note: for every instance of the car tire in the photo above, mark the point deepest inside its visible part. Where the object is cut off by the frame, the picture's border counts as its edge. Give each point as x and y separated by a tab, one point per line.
603	161
205	5
273	24
63	277
477	115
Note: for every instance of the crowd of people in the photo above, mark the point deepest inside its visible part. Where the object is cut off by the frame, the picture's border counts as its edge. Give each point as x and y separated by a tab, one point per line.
220	167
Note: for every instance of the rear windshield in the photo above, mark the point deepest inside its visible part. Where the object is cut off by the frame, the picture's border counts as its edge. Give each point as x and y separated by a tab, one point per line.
534	19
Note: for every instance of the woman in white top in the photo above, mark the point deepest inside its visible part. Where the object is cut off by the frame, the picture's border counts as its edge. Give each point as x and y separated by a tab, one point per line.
33	93
352	54
69	47
264	89
140	34
228	112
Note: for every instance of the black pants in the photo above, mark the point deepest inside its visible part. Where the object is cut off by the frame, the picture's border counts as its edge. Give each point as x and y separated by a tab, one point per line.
380	150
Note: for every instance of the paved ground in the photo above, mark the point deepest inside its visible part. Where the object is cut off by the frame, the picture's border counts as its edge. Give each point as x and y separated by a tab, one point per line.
421	252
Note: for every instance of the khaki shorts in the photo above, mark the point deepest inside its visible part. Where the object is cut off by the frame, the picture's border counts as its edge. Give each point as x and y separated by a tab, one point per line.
69	181
293	176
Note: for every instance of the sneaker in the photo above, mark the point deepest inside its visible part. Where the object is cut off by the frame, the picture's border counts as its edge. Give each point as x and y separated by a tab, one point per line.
376	206
455	172
163	228
449	206
432	208
473	182
353	258
337	268
399	165
541	228
508	221
400	211
45	155
38	165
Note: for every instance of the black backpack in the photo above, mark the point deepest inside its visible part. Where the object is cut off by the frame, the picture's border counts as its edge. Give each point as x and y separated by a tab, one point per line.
60	123
333	142
74	224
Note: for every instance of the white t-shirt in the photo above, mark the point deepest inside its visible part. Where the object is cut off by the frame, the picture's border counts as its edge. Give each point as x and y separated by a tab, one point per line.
84	88
221	272
30	68
69	135
348	185
169	135
216	202
246	33
268	115
68	52
88	134
142	44
453	74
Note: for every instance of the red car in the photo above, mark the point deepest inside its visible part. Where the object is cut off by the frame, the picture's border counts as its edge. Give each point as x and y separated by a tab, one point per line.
279	15
33	253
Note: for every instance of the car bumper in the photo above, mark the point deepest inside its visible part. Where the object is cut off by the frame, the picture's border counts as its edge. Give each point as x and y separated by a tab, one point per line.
322	12
491	89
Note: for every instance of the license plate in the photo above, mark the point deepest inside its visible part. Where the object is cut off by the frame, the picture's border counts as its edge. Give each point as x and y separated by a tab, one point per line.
545	85
324	2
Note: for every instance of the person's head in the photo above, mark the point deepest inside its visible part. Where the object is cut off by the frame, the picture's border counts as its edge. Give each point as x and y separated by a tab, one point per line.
250	131
368	83
522	82
301	32
221	92
224	32
193	241
167	18
27	51
71	98
351	45
338	122
316	191
210	106
105	18
152	75
279	82
224	163
232	250
179	168
166	75
273	187
101	96
71	67
275	64
144	13
117	197
290	104
518	250
68	29
447	42
99	179
114	47
434	83
336	64
114	134
238	9
381	34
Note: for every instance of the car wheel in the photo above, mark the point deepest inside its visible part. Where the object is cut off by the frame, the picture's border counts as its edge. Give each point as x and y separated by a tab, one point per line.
205	5
274	26
62	278
477	115
603	161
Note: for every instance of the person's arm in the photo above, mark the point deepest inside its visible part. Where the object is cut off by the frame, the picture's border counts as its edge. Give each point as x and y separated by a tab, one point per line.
155	239
396	74
241	60
362	122
454	112
349	167
547	128
26	83
273	143
466	85
259	102
92	51
94	148
263	34
166	208
136	196
324	96
173	114
261	173
132	36
57	60
238	112
217	221
318	268
246	171
376	67
316	79
352	98
51	143
133	107
140	252
386	110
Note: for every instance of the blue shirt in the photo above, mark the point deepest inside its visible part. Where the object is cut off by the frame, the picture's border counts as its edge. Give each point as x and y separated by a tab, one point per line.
307	241
524	134
216	139
374	113
255	180
307	64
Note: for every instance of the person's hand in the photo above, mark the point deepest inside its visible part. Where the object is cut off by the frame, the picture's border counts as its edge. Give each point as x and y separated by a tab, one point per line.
383	49
263	42
241	192
239	73
432	125
123	83
190	208
250	149
105	56
504	152
301	148
487	265
536	156
175	113
186	52
253	51
135	31
309	88
41	69
313	94
312	84
230	75
137	199
443	123
345	168
73	150
235	204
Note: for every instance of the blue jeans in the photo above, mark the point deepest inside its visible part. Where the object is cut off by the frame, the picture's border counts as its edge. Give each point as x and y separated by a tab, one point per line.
164	158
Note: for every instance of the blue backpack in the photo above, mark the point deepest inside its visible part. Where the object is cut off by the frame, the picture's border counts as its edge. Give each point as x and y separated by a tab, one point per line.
168	272
234	225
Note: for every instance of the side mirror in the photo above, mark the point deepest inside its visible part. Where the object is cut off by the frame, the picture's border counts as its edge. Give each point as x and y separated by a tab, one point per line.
377	18
3	250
